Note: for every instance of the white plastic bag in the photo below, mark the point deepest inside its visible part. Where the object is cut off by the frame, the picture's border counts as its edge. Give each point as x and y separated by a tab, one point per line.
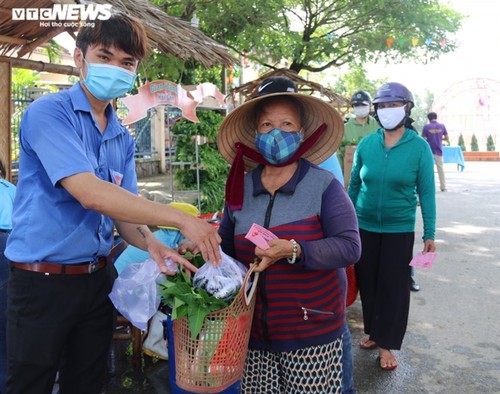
135	294
221	281
155	344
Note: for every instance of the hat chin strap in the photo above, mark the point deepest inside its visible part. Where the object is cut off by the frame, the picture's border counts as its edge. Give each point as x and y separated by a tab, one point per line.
235	182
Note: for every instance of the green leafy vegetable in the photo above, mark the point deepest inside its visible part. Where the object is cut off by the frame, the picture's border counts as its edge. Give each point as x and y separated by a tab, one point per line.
178	293
195	259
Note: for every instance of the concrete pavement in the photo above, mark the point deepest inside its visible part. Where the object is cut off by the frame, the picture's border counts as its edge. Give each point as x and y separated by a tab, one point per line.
452	345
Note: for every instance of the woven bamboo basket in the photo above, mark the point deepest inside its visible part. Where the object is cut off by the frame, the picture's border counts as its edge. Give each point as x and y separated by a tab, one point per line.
215	359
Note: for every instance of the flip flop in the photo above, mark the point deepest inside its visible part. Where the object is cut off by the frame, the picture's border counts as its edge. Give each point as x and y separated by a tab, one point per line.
366	343
387	367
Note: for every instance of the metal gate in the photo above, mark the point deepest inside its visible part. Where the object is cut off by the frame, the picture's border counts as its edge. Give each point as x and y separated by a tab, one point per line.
20	99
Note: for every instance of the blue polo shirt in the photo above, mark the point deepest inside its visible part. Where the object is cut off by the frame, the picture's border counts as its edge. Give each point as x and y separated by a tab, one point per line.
332	164
59	138
7	194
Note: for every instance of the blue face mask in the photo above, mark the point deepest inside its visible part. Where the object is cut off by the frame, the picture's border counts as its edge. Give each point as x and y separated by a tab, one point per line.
106	82
278	146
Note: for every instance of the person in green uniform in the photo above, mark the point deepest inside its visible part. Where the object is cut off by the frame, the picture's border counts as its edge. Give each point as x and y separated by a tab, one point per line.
358	126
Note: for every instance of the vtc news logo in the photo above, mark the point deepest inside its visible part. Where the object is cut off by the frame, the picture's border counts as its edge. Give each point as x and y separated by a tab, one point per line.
63	12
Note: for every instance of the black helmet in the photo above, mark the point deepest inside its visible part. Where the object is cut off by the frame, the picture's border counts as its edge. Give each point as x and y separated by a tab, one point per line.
393	91
361	97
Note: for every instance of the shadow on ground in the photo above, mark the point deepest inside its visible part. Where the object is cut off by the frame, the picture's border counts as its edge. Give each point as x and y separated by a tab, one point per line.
122	379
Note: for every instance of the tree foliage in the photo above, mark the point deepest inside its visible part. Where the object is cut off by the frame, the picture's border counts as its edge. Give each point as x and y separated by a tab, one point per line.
214	169
490	144
158	66
474	147
314	35
422	107
349	83
461	142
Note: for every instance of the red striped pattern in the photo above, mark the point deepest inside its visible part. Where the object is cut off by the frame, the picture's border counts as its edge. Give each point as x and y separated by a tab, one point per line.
284	289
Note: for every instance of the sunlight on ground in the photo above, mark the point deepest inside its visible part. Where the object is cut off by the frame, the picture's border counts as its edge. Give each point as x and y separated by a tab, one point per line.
495	292
465	229
150	184
427	326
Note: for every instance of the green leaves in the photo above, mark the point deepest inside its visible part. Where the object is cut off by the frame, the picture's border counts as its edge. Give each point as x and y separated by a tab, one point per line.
195	259
178	293
314	35
213	169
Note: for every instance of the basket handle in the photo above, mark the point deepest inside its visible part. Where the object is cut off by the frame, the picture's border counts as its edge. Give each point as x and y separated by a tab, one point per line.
248	297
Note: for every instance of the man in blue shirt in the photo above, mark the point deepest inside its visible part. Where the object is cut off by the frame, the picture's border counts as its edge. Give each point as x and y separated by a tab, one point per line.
77	182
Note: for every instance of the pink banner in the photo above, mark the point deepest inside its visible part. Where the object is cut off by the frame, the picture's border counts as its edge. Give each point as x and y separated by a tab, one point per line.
207	89
159	92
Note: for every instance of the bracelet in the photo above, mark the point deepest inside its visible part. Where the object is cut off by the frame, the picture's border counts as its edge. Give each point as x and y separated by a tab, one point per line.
294	252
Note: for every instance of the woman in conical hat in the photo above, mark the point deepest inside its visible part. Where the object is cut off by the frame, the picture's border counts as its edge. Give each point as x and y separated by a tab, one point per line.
278	137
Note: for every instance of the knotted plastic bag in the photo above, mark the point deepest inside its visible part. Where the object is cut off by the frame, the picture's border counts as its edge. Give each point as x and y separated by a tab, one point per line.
135	294
222	281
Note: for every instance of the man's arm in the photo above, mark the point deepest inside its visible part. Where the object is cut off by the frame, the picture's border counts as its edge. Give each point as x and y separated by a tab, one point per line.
424	133
141	237
117	203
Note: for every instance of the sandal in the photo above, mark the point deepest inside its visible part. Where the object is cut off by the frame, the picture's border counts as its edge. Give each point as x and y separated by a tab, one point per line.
367	343
387	360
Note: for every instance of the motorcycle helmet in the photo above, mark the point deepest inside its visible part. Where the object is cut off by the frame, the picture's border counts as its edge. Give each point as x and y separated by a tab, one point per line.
393	91
361	97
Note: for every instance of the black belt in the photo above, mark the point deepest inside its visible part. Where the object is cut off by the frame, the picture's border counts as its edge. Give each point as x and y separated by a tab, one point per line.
87	267
4	231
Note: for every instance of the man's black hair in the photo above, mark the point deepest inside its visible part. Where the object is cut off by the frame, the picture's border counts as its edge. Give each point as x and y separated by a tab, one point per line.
432	116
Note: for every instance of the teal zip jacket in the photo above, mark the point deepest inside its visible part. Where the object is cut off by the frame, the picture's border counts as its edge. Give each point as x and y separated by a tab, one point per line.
385	182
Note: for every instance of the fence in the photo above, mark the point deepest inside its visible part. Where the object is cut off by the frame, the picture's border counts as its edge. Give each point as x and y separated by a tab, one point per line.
141	132
22	97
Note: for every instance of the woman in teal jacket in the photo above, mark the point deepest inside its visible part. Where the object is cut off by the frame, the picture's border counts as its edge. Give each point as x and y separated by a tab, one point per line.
391	167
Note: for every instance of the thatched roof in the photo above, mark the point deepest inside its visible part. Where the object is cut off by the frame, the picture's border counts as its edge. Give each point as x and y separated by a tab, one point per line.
167	33
304	86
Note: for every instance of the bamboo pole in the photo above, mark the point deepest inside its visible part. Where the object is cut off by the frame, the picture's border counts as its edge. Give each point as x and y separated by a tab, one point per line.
5	133
40	66
13	40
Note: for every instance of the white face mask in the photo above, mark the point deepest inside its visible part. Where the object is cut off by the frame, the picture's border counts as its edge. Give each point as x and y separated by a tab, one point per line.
361	111
391	117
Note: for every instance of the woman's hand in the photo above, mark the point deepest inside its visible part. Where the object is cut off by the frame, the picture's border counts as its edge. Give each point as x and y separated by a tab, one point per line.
429	246
278	249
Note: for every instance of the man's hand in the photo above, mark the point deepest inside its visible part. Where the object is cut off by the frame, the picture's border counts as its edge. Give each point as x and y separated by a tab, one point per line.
204	236
159	253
